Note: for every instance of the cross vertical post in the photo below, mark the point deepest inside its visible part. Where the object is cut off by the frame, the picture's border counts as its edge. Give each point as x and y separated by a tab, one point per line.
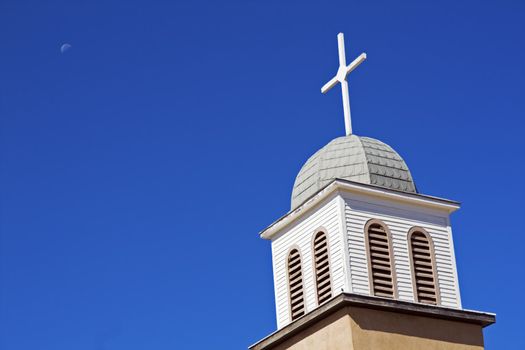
340	77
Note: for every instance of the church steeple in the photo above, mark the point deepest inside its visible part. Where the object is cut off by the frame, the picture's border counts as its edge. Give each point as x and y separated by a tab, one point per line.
362	260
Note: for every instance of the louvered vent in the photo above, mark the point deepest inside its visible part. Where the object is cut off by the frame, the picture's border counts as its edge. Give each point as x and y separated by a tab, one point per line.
382	279
295	278
423	268
322	268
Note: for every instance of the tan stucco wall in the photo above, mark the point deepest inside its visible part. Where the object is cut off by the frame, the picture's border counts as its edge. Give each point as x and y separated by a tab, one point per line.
331	333
354	328
373	329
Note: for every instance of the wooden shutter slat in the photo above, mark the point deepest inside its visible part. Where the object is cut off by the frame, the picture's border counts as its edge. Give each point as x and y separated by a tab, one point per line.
377	248
379	282
296	293
323	286
422	251
384	289
428	295
378	242
295	286
426	275
423	263
422	257
296	273
386	273
379	236
419	237
324	271
321	258
322	264
381	256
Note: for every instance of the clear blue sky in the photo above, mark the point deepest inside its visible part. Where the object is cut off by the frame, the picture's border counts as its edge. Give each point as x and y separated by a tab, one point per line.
138	167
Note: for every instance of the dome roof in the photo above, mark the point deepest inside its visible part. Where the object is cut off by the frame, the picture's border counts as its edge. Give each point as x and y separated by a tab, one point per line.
355	158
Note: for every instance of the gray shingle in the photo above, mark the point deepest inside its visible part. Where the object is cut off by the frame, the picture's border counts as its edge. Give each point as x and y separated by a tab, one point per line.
354	158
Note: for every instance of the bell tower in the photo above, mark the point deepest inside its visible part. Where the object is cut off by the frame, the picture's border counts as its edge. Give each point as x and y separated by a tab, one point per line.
363	260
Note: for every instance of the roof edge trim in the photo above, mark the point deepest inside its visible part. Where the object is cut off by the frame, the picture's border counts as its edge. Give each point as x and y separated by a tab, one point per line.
482	319
356	187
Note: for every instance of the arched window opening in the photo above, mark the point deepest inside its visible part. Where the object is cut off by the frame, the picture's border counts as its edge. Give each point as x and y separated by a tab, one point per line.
423	269
380	260
322	268
295	280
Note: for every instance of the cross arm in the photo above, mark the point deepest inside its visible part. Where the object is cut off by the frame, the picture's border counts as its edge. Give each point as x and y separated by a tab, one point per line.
355	63
329	85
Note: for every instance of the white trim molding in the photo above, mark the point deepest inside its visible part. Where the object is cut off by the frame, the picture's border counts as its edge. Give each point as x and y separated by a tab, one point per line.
346	186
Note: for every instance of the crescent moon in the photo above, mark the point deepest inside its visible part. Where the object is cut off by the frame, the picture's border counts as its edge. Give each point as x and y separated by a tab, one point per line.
65	47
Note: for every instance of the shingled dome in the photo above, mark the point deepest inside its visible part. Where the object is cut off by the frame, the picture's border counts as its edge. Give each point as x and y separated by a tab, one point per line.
355	158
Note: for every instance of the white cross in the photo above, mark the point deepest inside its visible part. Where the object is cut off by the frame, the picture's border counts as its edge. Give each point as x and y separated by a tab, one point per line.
341	75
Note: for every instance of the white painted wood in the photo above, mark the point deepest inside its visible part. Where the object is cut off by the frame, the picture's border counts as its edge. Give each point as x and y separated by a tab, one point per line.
400	219
344	234
300	234
343	215
453	254
402	200
341	76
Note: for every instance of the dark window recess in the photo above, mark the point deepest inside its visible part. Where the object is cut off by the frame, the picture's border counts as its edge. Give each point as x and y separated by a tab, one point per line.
322	268
423	268
380	261
295	279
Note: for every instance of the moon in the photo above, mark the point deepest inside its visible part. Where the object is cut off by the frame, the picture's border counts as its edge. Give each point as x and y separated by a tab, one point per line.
65	47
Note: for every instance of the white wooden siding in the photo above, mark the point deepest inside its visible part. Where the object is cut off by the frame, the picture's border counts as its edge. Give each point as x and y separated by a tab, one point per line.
400	219
344	215
300	234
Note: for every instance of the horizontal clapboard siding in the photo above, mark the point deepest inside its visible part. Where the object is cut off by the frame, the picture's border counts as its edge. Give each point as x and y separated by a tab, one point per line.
300	235
399	222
